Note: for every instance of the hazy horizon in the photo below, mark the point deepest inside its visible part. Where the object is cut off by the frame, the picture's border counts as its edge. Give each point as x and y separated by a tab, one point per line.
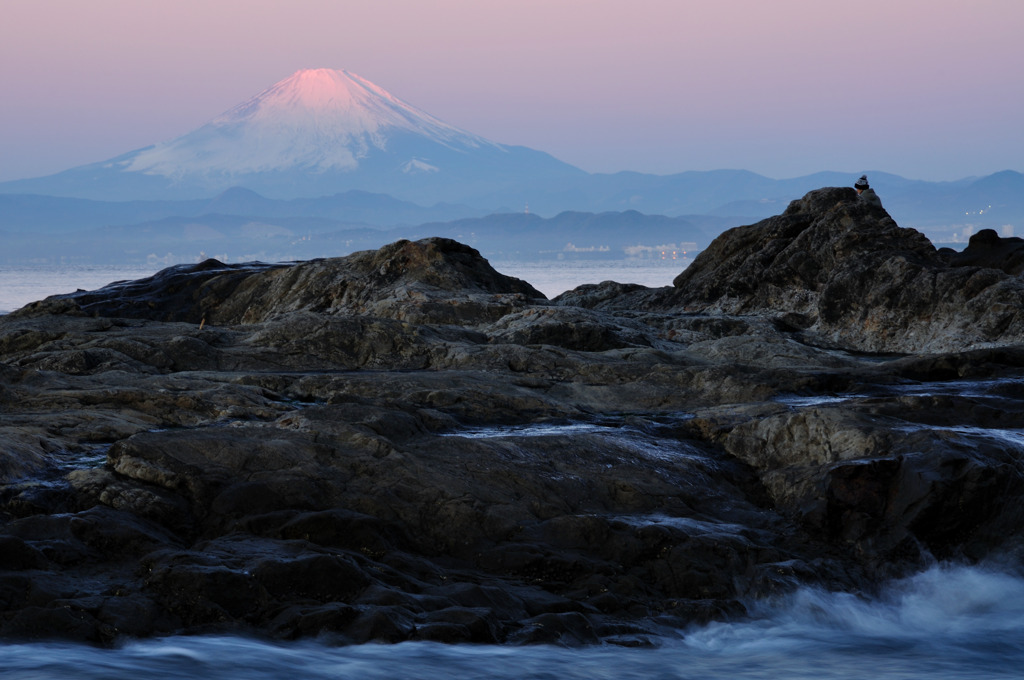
921	89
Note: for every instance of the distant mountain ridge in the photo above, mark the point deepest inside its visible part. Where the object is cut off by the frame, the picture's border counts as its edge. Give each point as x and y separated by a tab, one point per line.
54	214
234	238
242	223
987	202
328	150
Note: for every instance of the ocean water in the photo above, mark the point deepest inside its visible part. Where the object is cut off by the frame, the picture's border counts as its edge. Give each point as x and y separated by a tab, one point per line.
22	284
953	623
554	278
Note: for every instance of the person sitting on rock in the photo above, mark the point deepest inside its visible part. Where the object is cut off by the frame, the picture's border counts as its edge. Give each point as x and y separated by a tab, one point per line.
866	193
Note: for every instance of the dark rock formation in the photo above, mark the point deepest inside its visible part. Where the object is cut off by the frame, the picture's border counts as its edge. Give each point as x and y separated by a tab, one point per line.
988	249
406	445
436	280
845	272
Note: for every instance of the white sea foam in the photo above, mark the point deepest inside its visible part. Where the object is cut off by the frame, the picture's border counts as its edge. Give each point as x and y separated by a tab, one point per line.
955	623
529	430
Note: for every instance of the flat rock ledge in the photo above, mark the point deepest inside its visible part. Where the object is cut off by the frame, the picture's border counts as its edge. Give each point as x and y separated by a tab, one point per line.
405	444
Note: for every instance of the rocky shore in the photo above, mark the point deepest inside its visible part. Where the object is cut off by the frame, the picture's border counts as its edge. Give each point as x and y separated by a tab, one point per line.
405	444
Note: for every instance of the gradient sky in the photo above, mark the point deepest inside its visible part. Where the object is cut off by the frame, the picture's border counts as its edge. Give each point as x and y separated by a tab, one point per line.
927	89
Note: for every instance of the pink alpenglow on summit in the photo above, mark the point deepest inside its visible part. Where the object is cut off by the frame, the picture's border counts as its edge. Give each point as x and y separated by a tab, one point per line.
317	120
319	132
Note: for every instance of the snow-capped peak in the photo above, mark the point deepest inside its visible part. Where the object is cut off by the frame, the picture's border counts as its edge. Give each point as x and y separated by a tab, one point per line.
316	119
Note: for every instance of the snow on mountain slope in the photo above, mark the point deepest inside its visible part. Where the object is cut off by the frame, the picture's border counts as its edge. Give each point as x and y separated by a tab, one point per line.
316	120
321	132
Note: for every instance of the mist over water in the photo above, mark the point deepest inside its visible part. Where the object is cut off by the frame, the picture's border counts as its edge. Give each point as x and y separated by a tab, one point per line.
951	622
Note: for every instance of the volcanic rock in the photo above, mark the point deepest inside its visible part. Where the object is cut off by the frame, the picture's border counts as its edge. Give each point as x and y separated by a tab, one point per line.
850	277
405	444
988	249
435	280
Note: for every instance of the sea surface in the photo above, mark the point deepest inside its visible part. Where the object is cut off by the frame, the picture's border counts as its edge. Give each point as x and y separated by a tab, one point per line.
951	622
22	284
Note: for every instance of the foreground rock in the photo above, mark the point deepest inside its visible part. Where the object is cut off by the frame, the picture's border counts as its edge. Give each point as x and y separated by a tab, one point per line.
407	445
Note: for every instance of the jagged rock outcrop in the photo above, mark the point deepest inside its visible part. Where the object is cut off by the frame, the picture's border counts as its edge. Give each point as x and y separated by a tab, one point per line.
404	444
848	275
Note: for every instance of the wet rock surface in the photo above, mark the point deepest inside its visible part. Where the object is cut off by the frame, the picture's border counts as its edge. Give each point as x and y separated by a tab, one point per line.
407	445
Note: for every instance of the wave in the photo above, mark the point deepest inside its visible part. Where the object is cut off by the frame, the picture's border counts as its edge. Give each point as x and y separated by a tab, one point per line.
953	622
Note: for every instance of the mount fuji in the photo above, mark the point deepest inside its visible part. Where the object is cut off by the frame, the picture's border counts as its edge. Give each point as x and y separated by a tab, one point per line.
329	134
318	132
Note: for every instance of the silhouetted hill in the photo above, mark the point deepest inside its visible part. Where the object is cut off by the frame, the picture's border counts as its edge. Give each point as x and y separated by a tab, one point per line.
46	215
245	238
688	207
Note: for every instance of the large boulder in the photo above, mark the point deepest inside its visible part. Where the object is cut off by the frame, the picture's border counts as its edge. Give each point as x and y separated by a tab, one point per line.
988	249
435	280
844	272
861	474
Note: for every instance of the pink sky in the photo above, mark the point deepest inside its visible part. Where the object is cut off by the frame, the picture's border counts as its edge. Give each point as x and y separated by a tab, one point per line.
926	89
